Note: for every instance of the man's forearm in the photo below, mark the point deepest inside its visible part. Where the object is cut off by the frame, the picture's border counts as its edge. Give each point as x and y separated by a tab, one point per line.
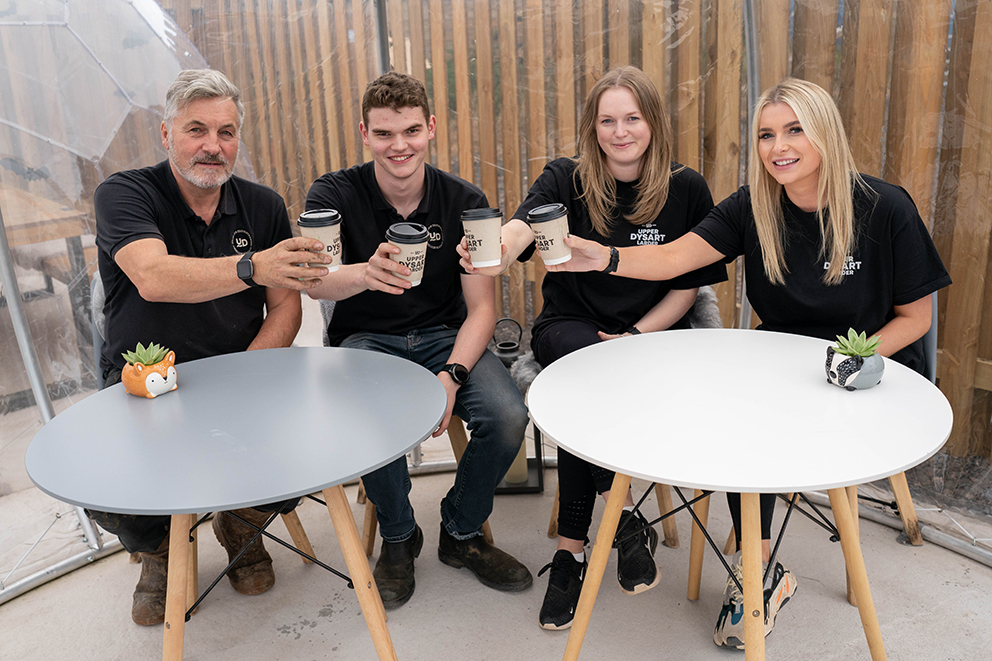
473	338
282	321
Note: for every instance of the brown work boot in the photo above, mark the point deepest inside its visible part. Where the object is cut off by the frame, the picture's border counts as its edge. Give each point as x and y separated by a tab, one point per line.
253	574
149	594
493	567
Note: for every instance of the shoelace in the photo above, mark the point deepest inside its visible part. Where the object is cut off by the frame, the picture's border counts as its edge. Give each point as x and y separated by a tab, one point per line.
735	592
630	543
560	572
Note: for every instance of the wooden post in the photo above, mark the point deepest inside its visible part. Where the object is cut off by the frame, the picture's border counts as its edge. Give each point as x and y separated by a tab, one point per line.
349	120
688	91
334	127
773	44
597	564
397	35
459	33
362	59
618	23
969	262
814	41
439	78
594	46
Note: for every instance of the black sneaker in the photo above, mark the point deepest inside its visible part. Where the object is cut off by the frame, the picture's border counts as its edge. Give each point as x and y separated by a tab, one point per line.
636	570
393	571
564	587
494	568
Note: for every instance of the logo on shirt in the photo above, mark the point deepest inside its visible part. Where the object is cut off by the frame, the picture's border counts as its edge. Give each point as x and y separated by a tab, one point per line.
241	241
850	266
435	237
647	235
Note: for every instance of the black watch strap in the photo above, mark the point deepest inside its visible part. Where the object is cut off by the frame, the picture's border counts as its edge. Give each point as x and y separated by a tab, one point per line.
633	330
614	261
459	373
246	269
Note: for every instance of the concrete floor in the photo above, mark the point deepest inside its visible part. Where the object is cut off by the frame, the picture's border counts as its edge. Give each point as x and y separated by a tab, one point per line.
931	603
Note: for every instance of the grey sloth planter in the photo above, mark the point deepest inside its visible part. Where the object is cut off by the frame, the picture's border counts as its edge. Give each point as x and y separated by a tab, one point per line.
854	372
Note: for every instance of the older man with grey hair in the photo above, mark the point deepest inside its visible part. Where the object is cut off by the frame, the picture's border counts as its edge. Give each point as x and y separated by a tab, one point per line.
205	263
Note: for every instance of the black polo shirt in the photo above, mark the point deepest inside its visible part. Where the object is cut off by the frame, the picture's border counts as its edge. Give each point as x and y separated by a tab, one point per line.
146	203
893	262
613	303
438	300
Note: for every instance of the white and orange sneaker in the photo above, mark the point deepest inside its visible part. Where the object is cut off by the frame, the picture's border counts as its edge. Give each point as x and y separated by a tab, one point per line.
729	630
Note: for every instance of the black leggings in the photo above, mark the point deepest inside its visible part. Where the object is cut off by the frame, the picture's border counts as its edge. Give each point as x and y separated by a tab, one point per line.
767	512
578	480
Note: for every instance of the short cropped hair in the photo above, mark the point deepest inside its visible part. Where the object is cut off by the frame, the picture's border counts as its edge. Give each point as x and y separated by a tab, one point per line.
194	84
395	90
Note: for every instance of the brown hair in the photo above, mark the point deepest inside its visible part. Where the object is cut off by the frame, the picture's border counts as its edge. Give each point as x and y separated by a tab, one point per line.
395	90
597	183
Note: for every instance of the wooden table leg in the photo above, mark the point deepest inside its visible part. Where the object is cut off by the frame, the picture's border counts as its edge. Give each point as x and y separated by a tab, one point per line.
361	575
852	495
697	545
175	595
754	603
907	512
663	493
597	565
193	570
855	563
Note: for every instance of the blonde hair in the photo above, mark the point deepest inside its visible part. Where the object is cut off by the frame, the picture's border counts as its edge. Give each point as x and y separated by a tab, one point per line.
597	183
817	114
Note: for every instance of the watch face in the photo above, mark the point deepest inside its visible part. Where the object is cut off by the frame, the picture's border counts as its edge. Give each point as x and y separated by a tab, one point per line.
459	373
245	269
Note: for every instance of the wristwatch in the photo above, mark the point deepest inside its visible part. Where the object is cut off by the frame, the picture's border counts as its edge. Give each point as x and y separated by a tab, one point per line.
459	373
246	269
614	261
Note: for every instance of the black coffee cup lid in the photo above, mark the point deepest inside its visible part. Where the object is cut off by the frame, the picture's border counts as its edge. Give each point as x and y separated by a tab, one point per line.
480	214
319	218
546	212
407	233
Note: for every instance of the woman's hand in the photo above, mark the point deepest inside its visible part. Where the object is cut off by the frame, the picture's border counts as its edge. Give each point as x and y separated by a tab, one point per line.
586	256
607	336
466	261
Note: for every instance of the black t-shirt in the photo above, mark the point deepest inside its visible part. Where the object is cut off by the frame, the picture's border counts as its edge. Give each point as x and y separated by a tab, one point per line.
609	302
894	262
146	203
438	300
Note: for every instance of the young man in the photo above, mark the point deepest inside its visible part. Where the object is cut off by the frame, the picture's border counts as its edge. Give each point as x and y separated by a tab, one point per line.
443	324
204	263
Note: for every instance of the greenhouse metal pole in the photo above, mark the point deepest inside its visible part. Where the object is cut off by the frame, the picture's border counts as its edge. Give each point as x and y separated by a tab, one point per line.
30	357
753	85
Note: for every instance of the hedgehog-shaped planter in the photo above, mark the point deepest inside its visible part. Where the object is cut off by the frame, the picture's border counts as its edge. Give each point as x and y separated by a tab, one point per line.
854	364
150	371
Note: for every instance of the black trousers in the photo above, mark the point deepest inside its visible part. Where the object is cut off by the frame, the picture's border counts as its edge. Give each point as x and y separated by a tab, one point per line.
145	534
578	480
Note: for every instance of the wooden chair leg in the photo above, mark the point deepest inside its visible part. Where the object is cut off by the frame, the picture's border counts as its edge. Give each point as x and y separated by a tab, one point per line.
900	489
663	493
298	534
368	529
361	498
553	523
730	547
697	545
459	441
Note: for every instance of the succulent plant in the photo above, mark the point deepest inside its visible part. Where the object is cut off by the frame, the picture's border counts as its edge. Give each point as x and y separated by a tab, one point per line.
153	353
857	345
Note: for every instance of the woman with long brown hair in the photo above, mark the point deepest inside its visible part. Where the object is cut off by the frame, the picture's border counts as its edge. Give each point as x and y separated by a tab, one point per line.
621	189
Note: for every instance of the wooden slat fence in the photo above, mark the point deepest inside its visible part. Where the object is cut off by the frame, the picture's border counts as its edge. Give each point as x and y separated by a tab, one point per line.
508	77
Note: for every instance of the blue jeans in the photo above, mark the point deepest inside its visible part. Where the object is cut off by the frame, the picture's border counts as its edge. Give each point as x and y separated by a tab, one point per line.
492	407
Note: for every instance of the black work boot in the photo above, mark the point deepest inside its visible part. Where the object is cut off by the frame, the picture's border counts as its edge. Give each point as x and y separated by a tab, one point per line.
494	568
253	574
393	571
636	570
149	594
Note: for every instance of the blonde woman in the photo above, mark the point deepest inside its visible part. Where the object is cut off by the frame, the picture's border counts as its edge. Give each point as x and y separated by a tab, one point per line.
825	249
622	189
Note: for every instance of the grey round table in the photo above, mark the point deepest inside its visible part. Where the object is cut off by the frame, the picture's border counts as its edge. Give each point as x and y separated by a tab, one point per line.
242	429
735	410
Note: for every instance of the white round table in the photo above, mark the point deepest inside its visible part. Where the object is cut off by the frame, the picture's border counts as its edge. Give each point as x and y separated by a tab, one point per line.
735	410
242	429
